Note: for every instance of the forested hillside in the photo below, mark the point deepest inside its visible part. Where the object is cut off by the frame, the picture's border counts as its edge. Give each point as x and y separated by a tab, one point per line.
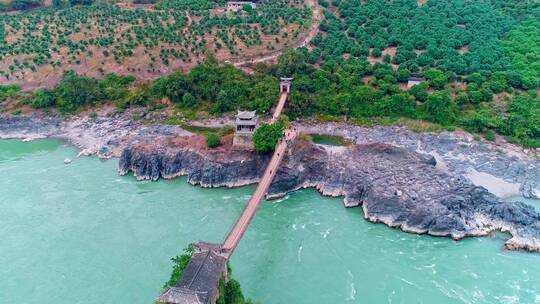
478	63
456	36
145	40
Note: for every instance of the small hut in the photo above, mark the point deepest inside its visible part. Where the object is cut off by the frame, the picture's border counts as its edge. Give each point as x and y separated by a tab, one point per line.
235	6
414	81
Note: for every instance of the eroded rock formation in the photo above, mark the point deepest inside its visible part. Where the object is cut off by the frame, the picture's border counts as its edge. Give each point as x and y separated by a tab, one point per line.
396	186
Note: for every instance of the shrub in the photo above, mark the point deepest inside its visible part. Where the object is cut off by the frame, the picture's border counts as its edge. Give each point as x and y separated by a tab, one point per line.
115	86
42	98
137	97
74	91
439	108
7	91
490	135
212	140
180	263
479	121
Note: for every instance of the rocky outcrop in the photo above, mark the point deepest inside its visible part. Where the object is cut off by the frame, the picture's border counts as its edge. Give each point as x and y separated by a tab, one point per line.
173	157
395	186
29	128
504	169
105	135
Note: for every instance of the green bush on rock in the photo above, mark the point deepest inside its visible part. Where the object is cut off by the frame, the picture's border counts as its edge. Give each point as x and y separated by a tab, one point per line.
212	140
180	263
42	98
7	91
267	136
230	291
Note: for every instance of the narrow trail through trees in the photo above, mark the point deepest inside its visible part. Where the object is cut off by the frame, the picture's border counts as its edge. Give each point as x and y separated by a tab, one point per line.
302	42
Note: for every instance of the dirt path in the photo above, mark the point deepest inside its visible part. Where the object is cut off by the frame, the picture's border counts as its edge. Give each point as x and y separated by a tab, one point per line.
302	42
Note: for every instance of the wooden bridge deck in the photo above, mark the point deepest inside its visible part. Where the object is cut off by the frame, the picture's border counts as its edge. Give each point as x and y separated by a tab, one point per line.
242	223
199	283
279	107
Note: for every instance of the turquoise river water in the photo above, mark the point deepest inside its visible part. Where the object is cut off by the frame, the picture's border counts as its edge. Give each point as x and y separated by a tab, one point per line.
79	233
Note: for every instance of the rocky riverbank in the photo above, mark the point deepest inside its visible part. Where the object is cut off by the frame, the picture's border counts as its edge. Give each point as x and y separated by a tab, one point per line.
106	135
420	183
504	169
395	186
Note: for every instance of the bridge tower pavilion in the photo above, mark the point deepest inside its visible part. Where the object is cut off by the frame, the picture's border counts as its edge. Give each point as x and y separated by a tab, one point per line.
285	85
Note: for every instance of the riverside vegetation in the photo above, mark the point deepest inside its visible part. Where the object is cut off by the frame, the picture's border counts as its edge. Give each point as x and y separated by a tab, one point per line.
330	92
479	60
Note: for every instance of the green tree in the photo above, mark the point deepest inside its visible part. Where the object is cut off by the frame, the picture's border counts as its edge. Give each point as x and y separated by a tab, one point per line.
514	79
479	120
212	140
419	91
403	74
233	293
24	4
461	98
436	79
439	108
180	263
290	62
173	87
223	102
74	91
529	82
263	95
267	136
523	120
42	98
301	104
476	78
497	82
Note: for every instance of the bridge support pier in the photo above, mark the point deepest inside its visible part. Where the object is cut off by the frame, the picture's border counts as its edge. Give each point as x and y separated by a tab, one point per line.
200	280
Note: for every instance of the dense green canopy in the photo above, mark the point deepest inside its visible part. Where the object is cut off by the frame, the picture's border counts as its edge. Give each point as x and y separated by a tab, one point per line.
456	36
